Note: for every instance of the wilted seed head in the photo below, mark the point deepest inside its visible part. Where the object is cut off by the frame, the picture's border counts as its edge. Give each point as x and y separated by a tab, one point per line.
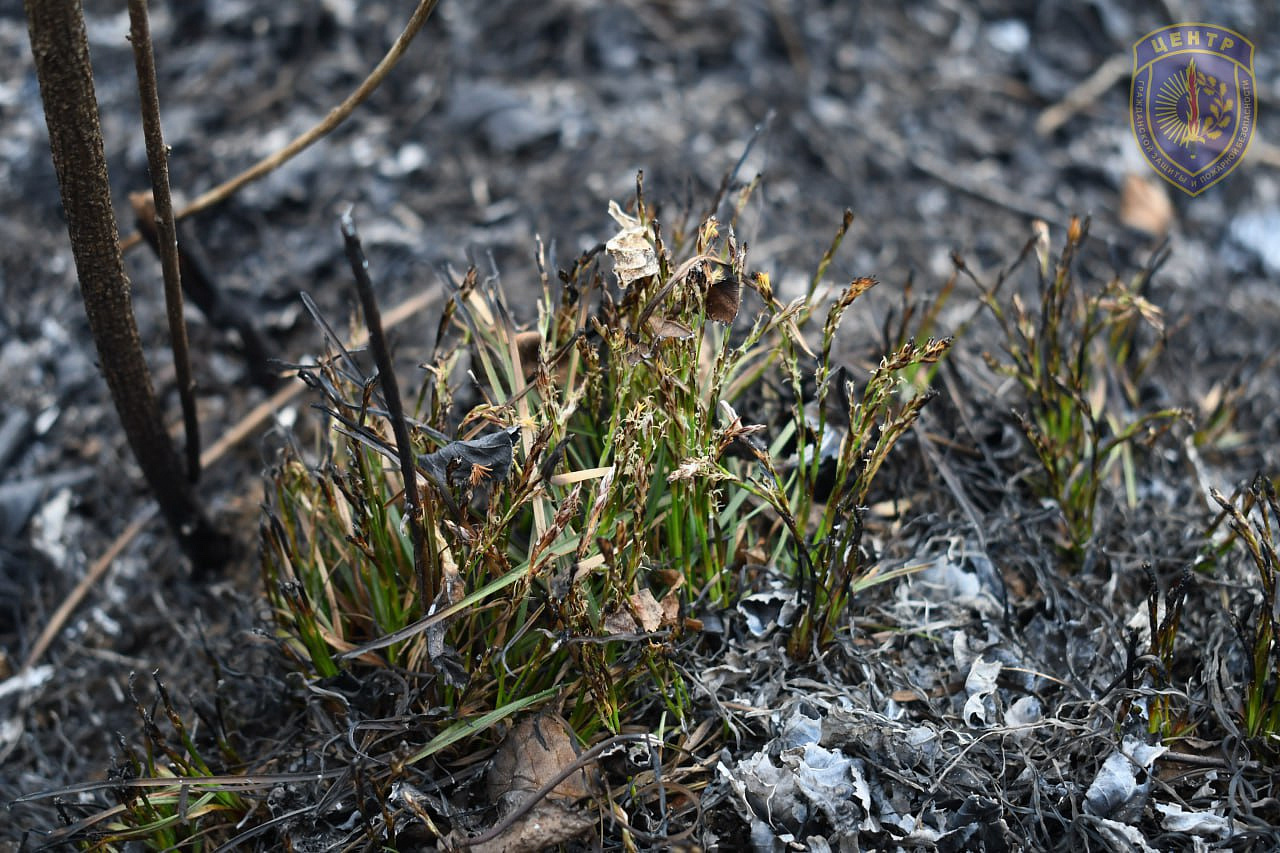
707	233
1075	230
1129	303
737	431
861	285
699	468
856	288
724	293
903	357
764	286
1041	230
934	349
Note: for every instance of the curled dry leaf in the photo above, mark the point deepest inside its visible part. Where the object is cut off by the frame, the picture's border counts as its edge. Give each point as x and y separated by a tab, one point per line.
633	255
619	622
1145	205
670	605
724	293
671	578
532	755
444	658
534	752
647	610
486	459
669	329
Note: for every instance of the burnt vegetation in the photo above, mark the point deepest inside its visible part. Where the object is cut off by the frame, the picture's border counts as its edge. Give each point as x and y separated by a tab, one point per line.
660	543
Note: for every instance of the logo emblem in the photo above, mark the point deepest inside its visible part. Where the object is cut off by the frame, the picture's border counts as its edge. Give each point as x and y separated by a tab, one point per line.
1193	102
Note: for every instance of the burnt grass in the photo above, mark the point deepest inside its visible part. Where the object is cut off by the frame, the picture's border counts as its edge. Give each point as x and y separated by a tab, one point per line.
509	120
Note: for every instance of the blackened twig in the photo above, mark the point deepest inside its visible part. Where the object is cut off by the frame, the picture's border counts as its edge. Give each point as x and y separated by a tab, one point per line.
199	286
333	339
60	47
166	230
245	427
332	119
730	176
391	391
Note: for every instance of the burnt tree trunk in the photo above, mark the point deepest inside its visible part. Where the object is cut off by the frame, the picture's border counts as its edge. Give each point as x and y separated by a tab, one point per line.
61	51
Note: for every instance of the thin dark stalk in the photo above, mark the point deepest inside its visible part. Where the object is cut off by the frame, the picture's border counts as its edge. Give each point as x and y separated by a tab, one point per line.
391	391
167	234
200	288
830	254
732	175
60	47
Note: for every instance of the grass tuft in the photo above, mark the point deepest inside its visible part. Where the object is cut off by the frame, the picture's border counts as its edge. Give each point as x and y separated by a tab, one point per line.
188	813
1255	525
1077	359
660	442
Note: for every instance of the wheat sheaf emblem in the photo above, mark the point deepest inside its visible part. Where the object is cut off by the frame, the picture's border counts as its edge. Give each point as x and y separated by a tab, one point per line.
1193	108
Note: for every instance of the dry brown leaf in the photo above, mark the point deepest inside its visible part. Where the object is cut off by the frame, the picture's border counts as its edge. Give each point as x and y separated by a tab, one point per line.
532	755
529	345
665	329
890	509
544	828
724	296
647	610
750	555
670	609
1145	205
619	622
671	578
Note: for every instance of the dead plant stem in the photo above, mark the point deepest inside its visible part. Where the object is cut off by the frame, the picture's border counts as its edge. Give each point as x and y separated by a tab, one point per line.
60	46
324	127
166	228
413	506
245	427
